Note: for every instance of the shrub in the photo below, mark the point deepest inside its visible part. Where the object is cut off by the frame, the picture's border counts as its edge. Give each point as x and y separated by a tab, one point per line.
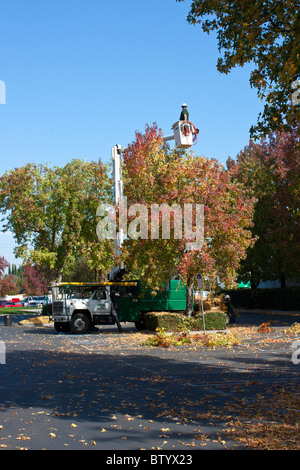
178	321
47	309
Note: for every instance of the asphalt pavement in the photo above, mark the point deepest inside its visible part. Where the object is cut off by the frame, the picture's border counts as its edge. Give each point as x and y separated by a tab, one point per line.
104	391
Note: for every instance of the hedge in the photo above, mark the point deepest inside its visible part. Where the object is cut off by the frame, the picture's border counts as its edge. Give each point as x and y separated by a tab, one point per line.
47	310
178	321
286	298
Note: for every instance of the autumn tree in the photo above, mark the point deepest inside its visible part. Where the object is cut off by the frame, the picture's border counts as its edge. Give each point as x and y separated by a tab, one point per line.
52	214
8	284
3	265
265	33
270	170
153	174
35	281
15	270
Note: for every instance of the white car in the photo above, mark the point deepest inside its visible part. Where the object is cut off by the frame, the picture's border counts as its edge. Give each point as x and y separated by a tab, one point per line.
26	301
35	303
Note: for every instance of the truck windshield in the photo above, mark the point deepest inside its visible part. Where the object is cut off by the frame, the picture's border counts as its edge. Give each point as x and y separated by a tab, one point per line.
83	292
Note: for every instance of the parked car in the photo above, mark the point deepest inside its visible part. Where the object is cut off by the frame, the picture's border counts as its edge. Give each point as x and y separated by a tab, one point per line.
48	299
26	300
35	303
7	304
40	299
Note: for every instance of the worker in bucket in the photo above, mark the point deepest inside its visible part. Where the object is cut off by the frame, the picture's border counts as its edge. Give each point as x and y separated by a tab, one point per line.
184	115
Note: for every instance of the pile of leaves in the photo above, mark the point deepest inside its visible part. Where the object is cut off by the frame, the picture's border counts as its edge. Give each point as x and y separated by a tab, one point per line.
37	321
294	329
269	423
217	339
265	327
163	339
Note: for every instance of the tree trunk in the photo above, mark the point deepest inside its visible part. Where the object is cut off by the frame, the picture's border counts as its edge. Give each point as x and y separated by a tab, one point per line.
282	281
254	284
254	281
189	301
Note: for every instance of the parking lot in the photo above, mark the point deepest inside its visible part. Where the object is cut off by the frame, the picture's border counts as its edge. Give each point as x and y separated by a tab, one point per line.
104	390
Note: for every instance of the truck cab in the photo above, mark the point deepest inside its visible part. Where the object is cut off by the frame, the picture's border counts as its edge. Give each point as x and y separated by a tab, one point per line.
78	306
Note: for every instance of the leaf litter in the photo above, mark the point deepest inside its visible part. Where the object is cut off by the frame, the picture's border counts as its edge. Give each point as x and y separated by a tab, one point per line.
271	421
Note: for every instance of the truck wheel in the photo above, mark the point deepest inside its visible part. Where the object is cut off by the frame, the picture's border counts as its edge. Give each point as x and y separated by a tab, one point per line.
80	323
62	327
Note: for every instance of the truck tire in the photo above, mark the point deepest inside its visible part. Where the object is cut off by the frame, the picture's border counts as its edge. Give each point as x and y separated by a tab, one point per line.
62	327
80	323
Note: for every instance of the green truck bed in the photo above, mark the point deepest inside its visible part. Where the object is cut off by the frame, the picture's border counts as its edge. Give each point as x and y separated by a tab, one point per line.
132	301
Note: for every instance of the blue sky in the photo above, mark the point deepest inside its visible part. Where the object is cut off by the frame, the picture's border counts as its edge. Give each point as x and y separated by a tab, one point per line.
84	75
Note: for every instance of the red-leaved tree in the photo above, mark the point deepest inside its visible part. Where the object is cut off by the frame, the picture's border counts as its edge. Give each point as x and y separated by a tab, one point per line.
270	171
3	265
153	174
35	280
8	284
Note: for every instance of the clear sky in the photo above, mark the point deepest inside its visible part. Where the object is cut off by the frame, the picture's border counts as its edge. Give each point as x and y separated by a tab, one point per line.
84	75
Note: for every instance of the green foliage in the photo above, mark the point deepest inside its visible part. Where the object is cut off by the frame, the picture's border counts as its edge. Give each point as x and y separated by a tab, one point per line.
270	171
264	33
15	270
52	214
47	310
